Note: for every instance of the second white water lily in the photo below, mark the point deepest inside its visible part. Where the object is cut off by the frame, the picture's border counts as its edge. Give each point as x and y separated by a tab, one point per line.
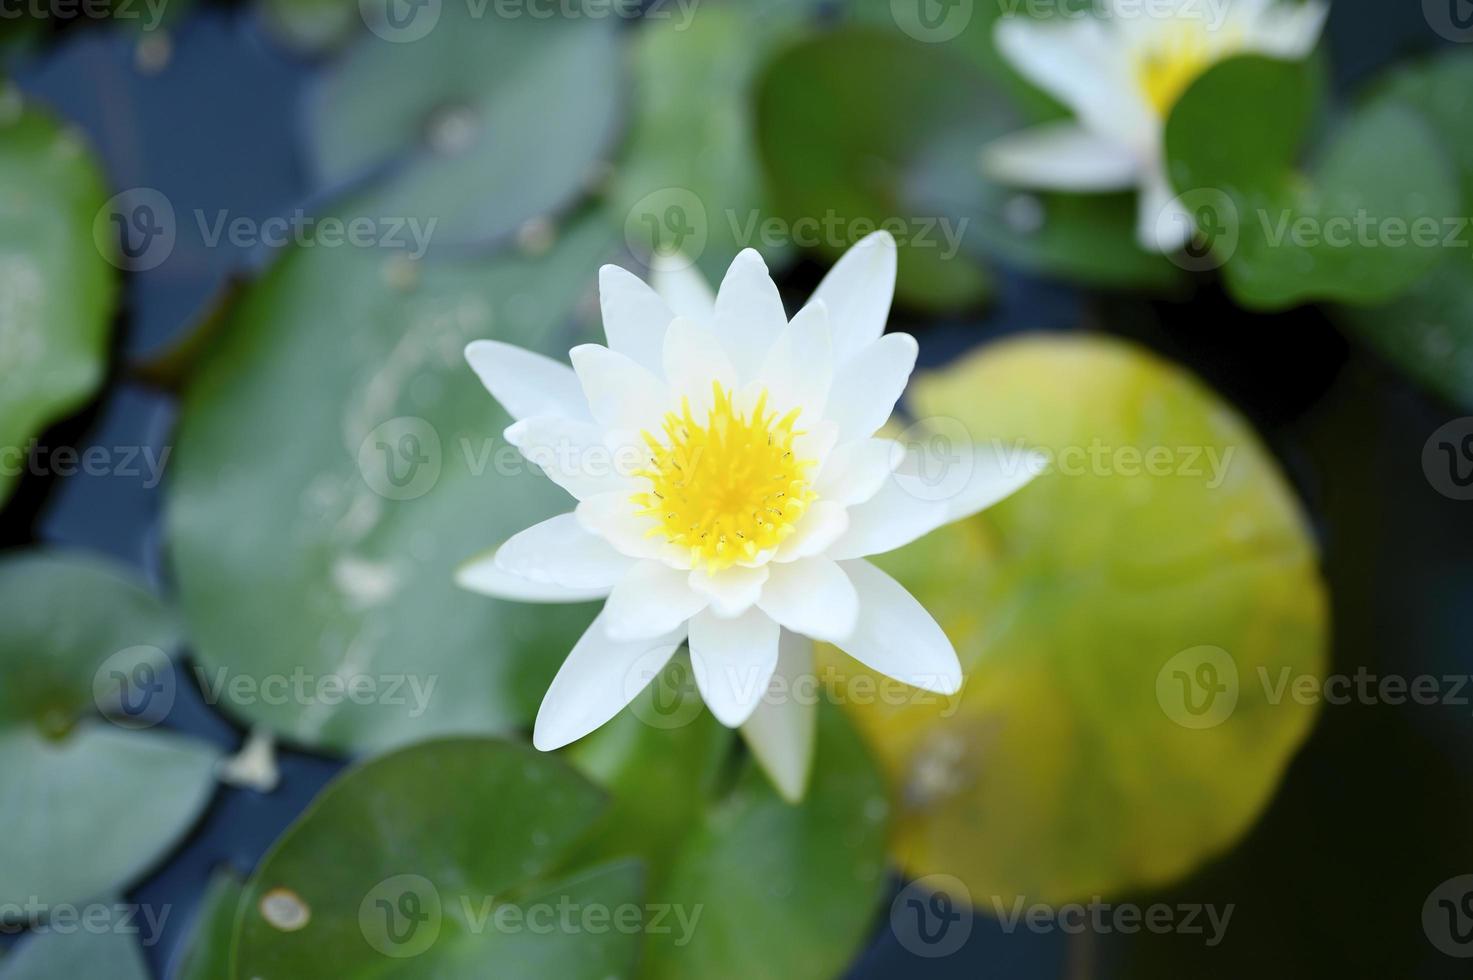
1121	73
729	486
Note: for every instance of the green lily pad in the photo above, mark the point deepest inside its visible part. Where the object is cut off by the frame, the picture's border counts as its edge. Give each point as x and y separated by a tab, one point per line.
834	131
1428	330
336	461
79	953
435	861
1348	229
727	856
206	956
312	26
690	181
56	288
63	657
506	118
1163	548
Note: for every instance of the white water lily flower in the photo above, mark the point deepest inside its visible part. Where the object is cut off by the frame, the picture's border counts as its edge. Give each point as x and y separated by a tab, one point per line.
1121	74
729	485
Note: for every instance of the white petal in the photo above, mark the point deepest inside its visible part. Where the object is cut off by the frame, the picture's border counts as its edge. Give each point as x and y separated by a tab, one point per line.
1084	65
1162	224
576	455
733	590
526	383
733	661
824	523
612	517
693	361
856	471
634	315
1061	155
911	504
597	680
621	394
813	597
652	599
749	312
867	387
857	292
1290	30
483	575
896	636
681	285
798	369
780	732
560	552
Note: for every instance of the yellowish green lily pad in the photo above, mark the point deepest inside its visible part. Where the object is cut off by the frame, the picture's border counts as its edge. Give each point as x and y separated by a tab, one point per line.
1126	624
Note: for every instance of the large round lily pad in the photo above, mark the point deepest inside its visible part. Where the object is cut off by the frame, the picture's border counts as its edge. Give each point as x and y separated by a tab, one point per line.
1125	624
77	634
336	461
56	288
441	860
457	115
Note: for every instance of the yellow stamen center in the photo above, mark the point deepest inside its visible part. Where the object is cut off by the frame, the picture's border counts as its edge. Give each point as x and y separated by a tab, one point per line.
727	487
1170	65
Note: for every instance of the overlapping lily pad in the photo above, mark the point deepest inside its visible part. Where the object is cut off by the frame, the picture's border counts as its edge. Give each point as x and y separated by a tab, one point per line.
1360	226
206	956
479	122
56	288
336	461
444	859
77	635
1124	623
1428	330
727	856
